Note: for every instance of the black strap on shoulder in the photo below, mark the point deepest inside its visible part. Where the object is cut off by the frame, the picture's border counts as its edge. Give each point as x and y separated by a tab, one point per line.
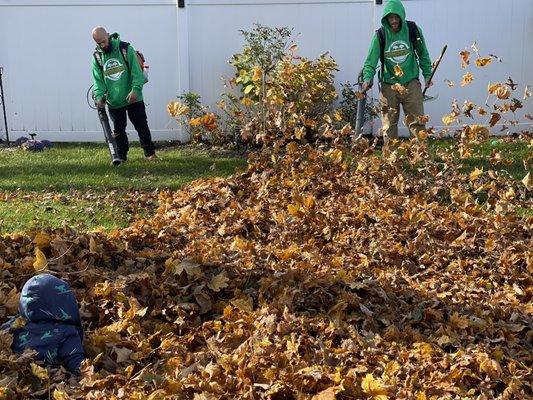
124	50
414	33
414	37
98	57
381	38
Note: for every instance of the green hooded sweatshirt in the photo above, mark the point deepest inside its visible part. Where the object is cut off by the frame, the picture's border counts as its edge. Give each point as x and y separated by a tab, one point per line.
398	51
117	79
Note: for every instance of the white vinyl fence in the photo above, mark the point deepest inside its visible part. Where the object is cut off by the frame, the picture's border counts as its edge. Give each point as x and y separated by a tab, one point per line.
46	49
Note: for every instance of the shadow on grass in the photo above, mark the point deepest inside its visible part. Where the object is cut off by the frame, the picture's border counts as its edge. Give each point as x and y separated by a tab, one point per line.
71	166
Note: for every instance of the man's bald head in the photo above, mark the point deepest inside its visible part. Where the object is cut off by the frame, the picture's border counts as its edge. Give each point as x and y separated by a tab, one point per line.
99	32
101	37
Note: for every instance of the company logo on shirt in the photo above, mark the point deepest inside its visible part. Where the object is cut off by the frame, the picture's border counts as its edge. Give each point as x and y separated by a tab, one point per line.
398	51
113	69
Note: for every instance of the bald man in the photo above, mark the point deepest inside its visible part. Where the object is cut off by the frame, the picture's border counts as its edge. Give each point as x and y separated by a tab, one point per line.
118	81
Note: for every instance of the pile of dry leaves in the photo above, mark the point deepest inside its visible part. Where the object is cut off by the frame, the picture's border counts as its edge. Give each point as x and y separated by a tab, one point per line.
315	274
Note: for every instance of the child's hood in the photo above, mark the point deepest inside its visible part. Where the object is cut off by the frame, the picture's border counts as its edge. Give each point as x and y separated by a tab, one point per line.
45	298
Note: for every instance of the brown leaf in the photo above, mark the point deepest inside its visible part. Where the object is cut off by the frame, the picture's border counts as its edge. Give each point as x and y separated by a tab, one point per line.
218	282
495	117
327	394
465	58
359	95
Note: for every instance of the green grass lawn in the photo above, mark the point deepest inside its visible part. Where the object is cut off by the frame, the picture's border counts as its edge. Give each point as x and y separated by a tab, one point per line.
76	184
512	152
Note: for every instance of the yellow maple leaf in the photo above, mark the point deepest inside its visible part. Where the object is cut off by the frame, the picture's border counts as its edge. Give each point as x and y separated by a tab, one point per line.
423	348
103	289
40	262
422	135
175	109
374	388
169	265
391	369
483	61
158	394
291	252
449	119
467	79
420	396
475	173
195	121
129	371
293	209
20	322
39	372
491	367
258	74
335	155
492	87
42	240
246	101
60	395
299	133
309	202
503	92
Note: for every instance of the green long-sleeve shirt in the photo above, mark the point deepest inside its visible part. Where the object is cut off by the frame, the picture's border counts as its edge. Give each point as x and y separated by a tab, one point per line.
117	79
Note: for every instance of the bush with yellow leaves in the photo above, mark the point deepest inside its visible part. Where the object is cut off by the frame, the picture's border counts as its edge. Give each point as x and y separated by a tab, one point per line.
195	119
280	93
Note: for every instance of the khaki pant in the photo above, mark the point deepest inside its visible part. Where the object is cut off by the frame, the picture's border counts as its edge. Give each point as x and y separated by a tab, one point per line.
413	107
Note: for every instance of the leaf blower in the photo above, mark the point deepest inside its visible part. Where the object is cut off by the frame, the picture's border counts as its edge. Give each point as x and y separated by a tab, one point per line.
108	133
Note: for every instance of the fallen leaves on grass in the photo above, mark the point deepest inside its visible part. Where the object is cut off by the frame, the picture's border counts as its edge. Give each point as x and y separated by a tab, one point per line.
304	276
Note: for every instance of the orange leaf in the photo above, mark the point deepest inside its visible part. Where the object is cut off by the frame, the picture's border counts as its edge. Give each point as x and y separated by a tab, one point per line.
465	57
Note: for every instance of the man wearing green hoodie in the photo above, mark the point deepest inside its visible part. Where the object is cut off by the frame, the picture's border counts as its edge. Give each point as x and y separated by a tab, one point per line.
401	61
118	81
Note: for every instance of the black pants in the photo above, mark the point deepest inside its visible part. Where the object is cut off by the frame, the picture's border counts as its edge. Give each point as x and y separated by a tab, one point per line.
137	114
